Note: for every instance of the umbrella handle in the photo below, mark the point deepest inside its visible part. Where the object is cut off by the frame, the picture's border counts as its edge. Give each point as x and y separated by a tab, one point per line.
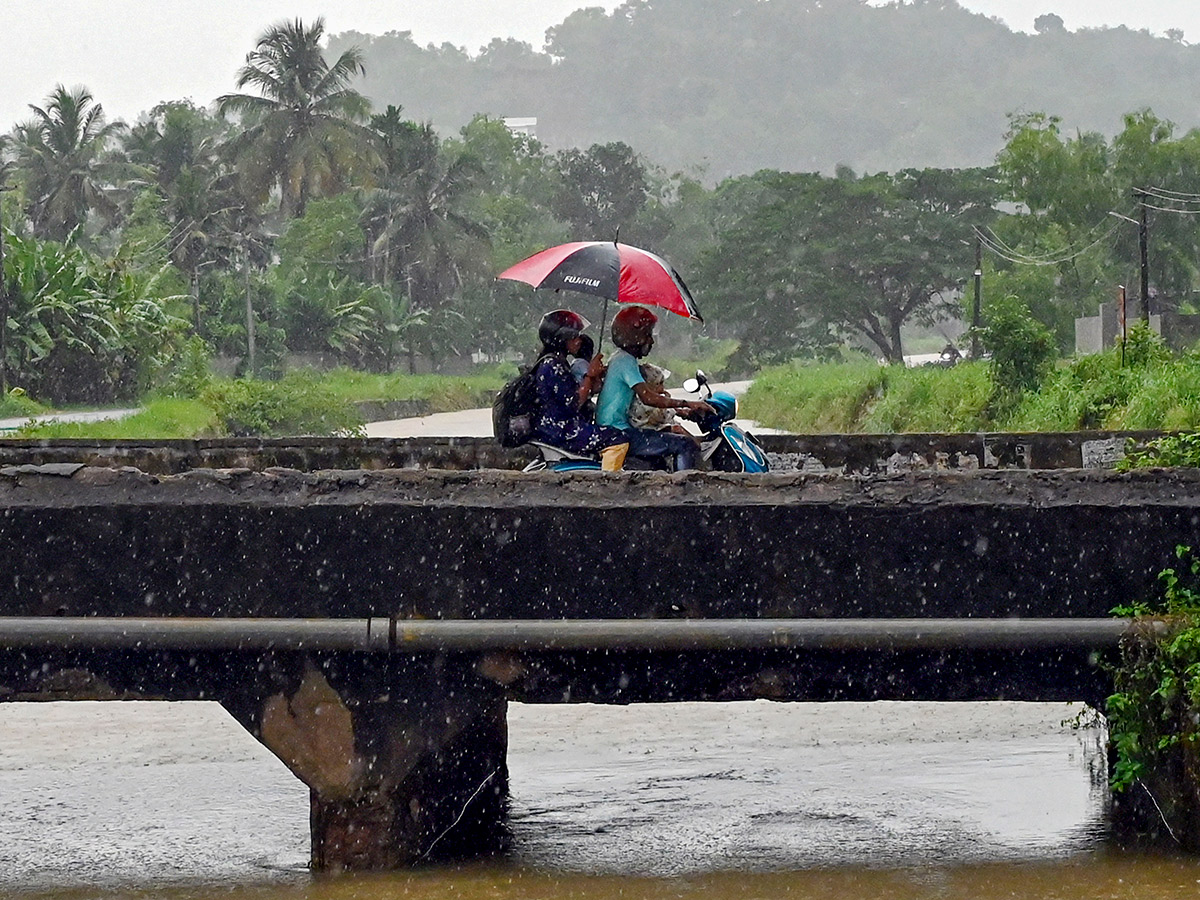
603	319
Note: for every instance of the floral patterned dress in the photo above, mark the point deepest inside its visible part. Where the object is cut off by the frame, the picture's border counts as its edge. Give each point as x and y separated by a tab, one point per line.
560	423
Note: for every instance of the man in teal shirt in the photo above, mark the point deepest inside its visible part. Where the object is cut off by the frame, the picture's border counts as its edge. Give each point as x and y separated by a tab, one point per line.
633	333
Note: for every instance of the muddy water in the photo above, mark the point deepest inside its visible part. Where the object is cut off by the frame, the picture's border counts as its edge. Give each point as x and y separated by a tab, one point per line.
756	800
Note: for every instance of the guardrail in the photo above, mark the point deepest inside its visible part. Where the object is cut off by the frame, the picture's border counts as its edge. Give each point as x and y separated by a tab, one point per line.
390	635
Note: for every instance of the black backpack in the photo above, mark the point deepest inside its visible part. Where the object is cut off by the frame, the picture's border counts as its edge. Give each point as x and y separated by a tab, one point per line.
514	412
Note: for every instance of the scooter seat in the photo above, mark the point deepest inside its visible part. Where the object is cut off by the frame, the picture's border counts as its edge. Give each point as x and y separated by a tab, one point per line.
553	454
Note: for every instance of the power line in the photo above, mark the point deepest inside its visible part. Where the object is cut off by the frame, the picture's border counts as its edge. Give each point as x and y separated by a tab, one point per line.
997	246
1166	194
1182	212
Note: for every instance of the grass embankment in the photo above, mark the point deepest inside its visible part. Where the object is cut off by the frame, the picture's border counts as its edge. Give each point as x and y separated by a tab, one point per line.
1162	392
443	393
16	403
833	398
301	403
158	419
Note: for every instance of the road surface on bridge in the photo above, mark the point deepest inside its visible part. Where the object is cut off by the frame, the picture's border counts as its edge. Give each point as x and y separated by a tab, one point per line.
478	422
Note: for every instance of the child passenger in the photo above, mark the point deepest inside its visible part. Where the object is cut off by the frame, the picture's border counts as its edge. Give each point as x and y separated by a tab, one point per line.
642	415
580	363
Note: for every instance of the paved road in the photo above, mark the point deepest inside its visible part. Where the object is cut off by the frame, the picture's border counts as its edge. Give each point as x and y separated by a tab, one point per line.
478	422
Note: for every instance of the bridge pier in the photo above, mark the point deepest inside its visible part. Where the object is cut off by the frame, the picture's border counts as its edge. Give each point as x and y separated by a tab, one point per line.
405	759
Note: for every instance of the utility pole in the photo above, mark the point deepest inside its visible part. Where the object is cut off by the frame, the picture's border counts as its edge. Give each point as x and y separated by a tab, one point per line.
3	298
1121	319
976	309
249	308
1144	254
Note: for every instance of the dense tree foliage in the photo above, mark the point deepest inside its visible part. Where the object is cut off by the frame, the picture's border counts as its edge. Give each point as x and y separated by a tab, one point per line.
846	257
1074	235
734	86
299	223
79	331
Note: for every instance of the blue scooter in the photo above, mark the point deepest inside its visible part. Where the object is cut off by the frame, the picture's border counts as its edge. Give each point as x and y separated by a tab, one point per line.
724	447
723	444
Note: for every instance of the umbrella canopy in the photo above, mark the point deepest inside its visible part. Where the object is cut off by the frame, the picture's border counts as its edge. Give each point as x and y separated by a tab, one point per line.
610	270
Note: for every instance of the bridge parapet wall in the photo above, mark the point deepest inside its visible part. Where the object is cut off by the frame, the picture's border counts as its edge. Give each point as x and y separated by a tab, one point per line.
813	454
495	544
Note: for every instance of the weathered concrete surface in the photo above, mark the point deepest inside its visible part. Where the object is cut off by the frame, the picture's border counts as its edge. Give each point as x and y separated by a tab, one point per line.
506	545
166	457
500	544
822	453
404	759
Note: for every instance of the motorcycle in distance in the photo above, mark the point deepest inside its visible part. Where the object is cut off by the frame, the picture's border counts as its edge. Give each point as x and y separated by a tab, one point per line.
724	446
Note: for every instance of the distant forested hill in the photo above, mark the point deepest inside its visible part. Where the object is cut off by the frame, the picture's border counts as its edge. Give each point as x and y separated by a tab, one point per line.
733	86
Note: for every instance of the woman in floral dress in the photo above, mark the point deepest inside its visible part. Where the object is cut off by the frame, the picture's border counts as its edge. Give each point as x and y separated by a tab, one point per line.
561	398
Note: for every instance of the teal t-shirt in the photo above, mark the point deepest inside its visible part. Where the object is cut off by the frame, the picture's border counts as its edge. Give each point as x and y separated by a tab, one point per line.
612	407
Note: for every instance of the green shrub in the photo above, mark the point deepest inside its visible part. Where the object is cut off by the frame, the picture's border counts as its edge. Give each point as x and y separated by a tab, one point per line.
1152	714
191	373
82	330
1023	351
1169	450
298	404
1144	347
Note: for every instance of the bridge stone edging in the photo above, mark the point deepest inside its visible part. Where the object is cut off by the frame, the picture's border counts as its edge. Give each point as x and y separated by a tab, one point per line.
813	454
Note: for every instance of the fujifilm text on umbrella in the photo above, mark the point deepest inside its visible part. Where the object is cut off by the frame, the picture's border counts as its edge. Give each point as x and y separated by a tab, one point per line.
576	279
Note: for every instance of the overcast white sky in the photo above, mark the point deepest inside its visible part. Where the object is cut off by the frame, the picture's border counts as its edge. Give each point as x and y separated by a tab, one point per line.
133	53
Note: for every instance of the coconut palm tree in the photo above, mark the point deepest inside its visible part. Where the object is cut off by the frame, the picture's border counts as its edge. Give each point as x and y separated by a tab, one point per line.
65	159
419	230
302	129
207	214
417	223
6	166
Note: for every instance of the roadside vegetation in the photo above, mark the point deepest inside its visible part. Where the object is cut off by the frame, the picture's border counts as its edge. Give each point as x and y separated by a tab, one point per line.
16	403
1153	710
1021	388
302	402
292	228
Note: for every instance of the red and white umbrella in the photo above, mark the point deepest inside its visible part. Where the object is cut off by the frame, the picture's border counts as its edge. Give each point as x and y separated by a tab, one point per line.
610	270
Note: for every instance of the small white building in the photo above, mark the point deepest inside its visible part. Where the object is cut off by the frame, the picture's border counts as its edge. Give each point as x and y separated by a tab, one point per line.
526	125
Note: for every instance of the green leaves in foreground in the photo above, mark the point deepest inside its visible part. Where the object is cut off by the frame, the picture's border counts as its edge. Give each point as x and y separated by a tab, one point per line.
1169	450
1154	711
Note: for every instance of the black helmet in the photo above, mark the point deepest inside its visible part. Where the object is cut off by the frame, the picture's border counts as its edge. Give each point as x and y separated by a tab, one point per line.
558	327
633	330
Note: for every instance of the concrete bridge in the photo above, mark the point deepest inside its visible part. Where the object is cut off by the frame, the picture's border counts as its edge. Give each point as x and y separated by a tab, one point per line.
360	623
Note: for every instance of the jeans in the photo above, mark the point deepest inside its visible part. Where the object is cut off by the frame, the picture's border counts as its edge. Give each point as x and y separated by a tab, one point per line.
653	445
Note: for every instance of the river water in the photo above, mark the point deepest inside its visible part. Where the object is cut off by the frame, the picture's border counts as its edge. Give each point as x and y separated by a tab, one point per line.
741	800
